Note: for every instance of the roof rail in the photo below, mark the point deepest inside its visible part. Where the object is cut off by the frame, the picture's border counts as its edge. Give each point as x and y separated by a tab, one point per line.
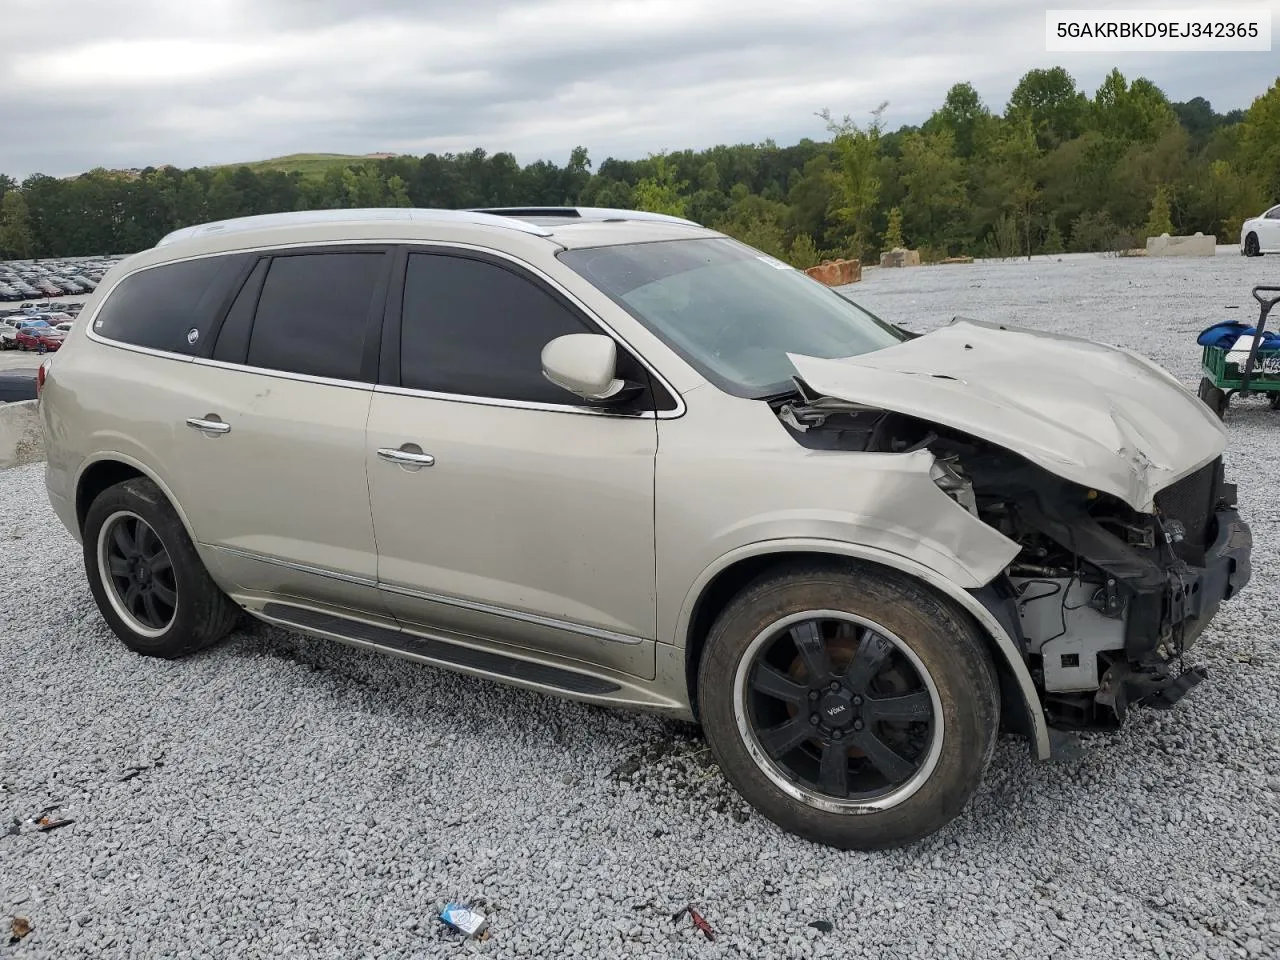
293	218
584	213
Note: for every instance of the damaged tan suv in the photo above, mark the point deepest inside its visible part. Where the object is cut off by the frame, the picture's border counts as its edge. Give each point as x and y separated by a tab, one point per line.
622	458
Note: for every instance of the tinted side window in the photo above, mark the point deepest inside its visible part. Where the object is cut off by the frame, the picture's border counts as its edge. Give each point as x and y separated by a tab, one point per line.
477	329
161	306
233	337
313	313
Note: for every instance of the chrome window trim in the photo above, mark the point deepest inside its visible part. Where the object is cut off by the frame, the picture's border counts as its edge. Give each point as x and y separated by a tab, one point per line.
590	314
568	626
517	404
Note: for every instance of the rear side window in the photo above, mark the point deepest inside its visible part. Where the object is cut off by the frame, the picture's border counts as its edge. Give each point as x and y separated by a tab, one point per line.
474	328
169	307
313	313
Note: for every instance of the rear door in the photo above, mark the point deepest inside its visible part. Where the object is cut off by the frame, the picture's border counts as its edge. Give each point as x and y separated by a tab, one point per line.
271	429
520	518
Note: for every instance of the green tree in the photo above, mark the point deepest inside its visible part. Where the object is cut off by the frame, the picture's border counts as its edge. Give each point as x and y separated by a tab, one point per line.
1053	240
1259	143
661	192
1049	101
1158	218
893	232
965	115
935	206
803	253
856	177
16	240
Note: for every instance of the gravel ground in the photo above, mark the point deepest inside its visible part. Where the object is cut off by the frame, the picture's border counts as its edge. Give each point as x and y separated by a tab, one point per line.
278	796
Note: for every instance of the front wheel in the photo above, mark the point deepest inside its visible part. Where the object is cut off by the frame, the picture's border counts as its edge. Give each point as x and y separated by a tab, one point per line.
848	704
1251	246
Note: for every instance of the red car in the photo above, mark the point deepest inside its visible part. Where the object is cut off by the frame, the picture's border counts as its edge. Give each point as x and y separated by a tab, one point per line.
44	339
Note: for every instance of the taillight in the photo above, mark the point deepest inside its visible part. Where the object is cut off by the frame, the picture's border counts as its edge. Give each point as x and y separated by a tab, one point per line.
40	376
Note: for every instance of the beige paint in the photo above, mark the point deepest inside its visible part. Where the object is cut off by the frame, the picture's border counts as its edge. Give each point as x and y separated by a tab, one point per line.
564	536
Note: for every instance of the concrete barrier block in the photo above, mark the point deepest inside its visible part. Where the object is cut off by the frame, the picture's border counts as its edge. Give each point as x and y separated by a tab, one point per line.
900	257
836	273
21	436
1167	246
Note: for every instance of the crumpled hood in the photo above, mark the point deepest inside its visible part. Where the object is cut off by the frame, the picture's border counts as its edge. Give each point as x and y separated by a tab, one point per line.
1102	417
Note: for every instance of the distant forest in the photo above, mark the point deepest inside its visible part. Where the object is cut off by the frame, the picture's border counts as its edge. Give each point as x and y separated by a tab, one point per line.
1058	170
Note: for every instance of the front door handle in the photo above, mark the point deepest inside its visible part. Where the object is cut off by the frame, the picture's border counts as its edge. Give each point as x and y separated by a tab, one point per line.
406	458
212	427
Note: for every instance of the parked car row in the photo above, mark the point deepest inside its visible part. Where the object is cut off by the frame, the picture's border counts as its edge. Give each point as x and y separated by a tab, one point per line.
25	279
42	332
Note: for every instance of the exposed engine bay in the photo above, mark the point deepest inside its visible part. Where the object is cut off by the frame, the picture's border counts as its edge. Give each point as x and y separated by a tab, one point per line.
1102	599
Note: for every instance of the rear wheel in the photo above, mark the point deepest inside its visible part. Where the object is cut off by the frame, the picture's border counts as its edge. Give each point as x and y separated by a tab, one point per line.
849	705
146	576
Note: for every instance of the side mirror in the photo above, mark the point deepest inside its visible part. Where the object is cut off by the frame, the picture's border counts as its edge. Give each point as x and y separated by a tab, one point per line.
585	364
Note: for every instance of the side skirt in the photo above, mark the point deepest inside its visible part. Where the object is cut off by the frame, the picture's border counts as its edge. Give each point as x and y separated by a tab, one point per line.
464	658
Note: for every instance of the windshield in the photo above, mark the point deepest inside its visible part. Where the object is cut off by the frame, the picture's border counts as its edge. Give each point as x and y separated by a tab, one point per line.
730	311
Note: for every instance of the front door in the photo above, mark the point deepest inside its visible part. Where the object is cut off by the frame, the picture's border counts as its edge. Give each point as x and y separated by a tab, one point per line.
504	510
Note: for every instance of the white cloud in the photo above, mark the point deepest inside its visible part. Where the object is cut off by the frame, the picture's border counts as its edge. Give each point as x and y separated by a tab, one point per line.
154	81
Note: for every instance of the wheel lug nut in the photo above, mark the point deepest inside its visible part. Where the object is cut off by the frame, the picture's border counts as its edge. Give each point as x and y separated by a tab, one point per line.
834	686
857	724
837	733
813	694
813	719
857	701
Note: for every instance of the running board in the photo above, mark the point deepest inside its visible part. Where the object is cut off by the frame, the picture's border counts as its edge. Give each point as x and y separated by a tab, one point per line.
440	651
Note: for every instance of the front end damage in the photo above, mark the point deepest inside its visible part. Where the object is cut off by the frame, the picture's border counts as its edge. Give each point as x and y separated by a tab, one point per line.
1103	599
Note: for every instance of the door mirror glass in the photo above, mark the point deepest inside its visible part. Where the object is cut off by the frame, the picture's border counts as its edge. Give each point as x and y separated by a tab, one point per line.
585	364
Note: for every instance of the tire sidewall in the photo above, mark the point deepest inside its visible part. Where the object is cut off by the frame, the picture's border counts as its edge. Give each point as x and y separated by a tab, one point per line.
957	664
144	498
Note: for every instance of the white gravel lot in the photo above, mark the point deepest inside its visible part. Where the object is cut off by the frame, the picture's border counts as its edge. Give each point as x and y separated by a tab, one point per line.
278	796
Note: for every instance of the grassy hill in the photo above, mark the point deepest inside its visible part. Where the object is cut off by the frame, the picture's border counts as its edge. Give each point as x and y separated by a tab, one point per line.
307	164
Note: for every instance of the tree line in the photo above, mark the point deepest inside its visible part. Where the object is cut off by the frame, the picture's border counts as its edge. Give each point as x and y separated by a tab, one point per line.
1058	170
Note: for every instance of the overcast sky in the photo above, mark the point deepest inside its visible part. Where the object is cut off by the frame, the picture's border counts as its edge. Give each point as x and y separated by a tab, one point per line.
128	83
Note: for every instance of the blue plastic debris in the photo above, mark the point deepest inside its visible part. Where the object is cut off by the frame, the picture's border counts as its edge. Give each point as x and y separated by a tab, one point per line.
470	923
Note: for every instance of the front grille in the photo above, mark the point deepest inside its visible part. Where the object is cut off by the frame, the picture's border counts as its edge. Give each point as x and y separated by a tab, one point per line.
1191	501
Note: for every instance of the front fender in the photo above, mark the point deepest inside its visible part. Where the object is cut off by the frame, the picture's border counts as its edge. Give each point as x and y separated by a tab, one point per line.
998	635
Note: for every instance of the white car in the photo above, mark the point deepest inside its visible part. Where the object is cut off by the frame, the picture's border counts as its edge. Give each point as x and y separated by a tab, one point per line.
1261	234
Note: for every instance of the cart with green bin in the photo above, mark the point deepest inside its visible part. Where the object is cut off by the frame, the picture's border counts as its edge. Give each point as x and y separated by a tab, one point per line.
1225	376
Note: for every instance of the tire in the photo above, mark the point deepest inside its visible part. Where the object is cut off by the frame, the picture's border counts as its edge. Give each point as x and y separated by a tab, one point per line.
1214	397
1273	400
1251	246
198	615
912	631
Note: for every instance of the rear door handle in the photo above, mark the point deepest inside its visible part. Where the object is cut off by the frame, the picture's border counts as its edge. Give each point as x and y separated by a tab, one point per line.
214	427
407	458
